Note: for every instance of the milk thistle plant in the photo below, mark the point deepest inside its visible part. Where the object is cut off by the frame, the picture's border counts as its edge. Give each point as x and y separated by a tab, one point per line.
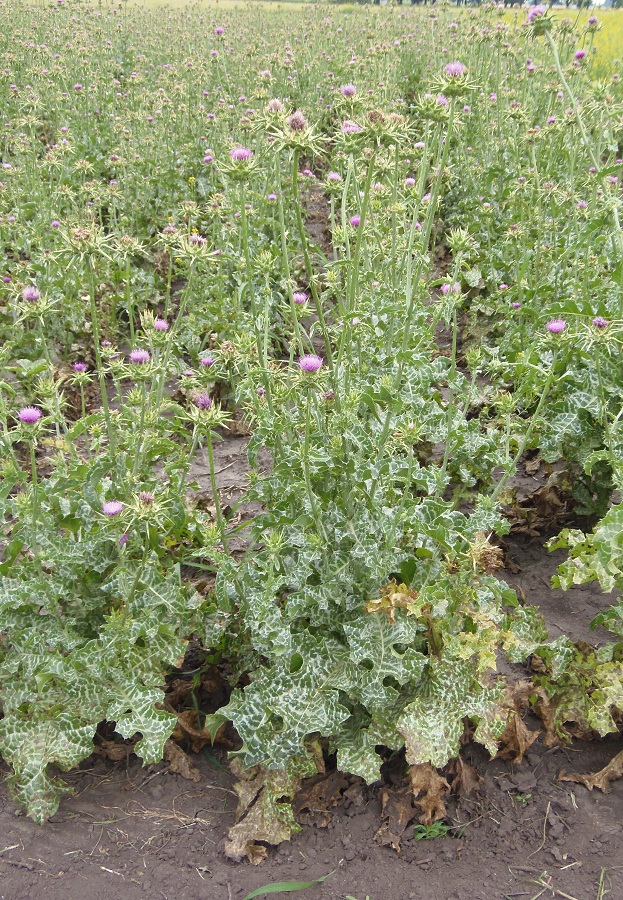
401	273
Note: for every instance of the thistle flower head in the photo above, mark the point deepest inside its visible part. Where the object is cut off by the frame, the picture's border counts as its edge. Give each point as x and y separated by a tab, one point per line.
455	69
112	507
161	324
31	294
348	90
600	322
29	415
203	401
297	121
349	127
300	297
241	154
556	326
310	363
207	361
535	12
139	357
79	367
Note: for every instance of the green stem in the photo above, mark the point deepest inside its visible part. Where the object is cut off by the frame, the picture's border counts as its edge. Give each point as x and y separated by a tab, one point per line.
451	405
98	356
35	500
585	138
527	434
307	258
220	521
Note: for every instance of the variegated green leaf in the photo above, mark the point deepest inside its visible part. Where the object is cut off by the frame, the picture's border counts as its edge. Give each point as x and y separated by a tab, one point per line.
432	724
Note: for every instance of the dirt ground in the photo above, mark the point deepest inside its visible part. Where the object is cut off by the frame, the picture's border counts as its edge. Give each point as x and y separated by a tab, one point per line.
129	832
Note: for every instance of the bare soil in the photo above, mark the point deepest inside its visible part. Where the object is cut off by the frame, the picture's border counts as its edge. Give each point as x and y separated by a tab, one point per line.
131	832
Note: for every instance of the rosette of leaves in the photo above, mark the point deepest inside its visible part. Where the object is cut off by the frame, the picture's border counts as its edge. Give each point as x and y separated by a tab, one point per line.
88	635
367	613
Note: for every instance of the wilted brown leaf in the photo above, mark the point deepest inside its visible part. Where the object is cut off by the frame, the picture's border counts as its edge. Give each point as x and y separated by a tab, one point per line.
393	596
516	738
186	730
264	812
397	810
541	510
428	790
114	750
533	465
600	780
180	762
467	781
319	795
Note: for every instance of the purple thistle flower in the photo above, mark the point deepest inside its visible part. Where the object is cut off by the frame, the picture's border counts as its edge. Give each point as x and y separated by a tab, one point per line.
219	30
334	176
203	401
161	324
146	497
442	100
112	507
348	90
123	540
299	297
241	154
297	121
455	69
349	127
600	322
409	182
29	415
31	294
271	197
556	326
79	367
579	54
516	305
55	223
355	221
310	363
207	361
261	392
535	12
139	356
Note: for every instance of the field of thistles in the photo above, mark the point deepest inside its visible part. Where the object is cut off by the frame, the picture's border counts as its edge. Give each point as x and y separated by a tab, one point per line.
385	245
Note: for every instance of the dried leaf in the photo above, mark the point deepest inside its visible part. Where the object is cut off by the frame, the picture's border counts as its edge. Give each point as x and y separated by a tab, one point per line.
533	465
186	730
319	795
600	780
180	762
179	689
264	810
114	750
516	737
393	596
397	810
467	781
428	790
